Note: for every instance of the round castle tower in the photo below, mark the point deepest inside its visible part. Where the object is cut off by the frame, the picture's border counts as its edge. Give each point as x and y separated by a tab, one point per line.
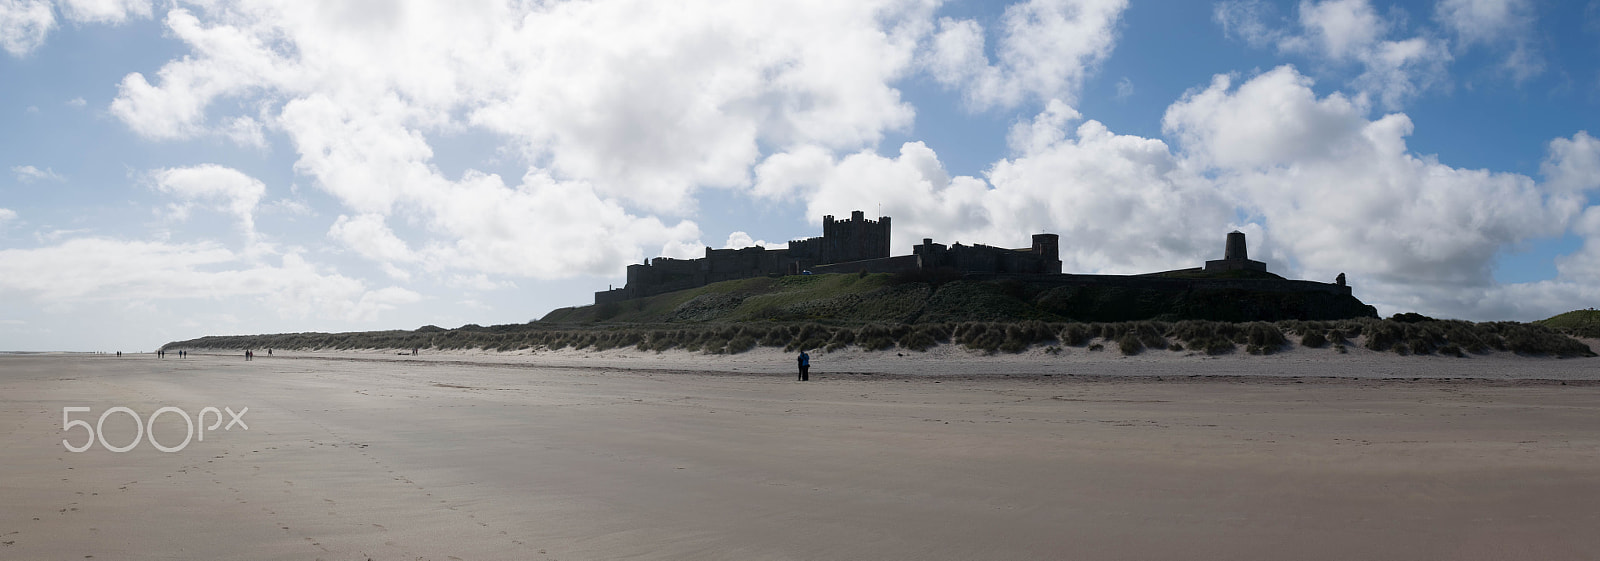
1235	257
1235	249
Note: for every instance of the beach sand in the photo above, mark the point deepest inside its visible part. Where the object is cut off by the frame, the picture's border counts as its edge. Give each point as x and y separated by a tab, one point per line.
939	455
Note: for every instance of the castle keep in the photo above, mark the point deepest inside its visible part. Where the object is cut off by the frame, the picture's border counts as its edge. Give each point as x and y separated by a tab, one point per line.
846	246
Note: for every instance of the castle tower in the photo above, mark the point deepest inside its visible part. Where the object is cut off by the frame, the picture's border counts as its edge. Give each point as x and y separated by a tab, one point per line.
1235	257
1048	246
1236	248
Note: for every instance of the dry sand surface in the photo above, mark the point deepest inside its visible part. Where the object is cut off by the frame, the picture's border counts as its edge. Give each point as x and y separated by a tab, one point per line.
943	455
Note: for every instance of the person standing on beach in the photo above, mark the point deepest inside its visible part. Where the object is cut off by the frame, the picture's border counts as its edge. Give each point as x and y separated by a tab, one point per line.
805	366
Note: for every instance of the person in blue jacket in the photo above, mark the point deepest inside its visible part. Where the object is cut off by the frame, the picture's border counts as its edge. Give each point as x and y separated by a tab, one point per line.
805	366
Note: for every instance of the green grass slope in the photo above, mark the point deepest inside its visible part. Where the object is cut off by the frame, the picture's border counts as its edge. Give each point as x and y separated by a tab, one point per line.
796	297
919	299
1582	323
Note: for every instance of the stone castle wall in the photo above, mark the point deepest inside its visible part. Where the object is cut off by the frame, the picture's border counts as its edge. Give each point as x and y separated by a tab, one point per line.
846	246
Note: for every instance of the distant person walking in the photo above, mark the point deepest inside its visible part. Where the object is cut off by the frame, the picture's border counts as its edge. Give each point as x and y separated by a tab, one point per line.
805	366
249	355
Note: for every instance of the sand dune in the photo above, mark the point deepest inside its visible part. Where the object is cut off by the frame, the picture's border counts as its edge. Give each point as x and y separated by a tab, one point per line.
945	455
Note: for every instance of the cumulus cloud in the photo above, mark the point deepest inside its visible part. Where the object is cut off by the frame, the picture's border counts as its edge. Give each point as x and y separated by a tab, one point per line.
1344	32
30	174
741	240
368	235
1507	24
1574	163
1320	185
789	99
1583	264
100	270
104	11
1046	49
24	24
654	102
7	215
541	228
1341	192
1121	203
229	189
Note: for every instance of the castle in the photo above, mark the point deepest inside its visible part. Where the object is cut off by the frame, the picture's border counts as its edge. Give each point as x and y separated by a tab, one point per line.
846	246
861	245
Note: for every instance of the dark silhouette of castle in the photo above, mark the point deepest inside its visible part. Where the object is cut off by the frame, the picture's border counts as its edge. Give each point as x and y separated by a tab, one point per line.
846	246
860	245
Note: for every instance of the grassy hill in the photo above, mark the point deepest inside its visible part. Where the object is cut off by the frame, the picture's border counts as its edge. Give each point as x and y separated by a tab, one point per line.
879	312
1582	323
929	298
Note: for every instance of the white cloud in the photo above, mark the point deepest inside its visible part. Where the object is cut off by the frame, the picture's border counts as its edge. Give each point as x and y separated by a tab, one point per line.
1585	263
1282	122
682	249
1574	164
232	190
77	102
1124	89
245	131
1246	19
104	11
30	174
24	24
1126	194
87	270
1342	32
7	215
479	282
654	102
369	236
1341	193
226	60
1046	49
1320	187
1339	29
1498	23
291	207
741	240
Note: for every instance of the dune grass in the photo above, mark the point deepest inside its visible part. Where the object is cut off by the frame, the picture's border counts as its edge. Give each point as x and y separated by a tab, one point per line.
1425	337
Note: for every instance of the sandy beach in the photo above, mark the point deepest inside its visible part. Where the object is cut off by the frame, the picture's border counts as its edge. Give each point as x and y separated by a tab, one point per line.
941	455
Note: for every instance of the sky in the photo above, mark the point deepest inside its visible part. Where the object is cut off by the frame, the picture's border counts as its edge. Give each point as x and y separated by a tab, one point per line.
170	170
